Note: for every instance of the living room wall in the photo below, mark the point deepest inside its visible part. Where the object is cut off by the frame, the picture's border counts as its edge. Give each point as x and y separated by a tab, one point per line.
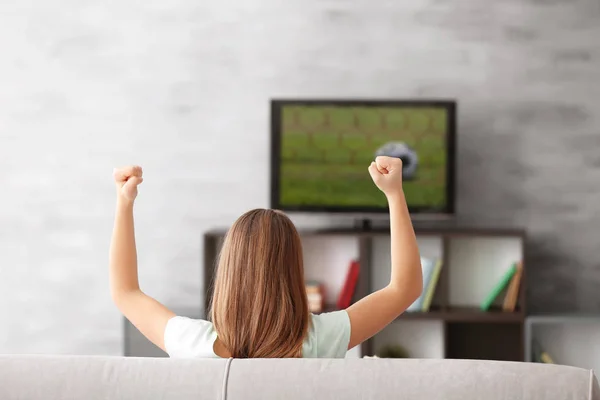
182	89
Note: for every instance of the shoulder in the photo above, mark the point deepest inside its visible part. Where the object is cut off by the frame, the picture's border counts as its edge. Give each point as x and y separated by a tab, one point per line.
186	337
328	335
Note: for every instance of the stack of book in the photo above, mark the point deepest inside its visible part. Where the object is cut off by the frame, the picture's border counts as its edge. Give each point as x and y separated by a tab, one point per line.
431	269
509	283
315	292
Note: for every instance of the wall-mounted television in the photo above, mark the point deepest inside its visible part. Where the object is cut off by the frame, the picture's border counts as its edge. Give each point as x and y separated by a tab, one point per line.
320	151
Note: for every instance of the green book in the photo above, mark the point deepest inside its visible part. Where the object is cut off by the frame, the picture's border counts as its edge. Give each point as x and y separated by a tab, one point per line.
430	289
499	287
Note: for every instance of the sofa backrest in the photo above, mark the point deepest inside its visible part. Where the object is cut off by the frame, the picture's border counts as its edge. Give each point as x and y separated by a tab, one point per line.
81	377
114	378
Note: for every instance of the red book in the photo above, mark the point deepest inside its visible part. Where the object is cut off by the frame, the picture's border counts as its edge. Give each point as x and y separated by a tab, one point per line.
347	292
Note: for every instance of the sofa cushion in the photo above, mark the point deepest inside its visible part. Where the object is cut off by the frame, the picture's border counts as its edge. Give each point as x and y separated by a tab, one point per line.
85	377
406	379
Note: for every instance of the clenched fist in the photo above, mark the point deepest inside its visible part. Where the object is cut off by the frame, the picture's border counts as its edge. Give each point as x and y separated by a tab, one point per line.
387	174
127	180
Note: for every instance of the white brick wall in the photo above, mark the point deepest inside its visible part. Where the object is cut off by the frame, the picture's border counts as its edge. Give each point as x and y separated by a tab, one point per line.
182	89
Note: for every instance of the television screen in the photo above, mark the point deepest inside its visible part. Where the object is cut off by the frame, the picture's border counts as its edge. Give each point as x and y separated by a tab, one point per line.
321	151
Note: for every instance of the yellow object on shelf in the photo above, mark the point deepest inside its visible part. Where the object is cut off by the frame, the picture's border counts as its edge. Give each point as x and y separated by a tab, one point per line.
545	358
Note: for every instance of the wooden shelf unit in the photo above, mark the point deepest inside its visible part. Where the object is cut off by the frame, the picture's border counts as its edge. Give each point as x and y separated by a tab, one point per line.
467	331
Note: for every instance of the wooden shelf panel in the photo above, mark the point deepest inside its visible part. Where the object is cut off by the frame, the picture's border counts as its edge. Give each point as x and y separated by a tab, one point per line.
457	314
450	227
466	314
327	308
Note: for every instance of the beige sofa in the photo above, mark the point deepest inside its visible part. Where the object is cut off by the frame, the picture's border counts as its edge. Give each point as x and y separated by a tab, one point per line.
90	378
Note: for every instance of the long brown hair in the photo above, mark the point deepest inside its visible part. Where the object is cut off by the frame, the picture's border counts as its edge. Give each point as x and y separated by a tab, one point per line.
259	306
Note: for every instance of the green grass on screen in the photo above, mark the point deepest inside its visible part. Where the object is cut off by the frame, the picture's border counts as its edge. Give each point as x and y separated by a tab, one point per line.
325	152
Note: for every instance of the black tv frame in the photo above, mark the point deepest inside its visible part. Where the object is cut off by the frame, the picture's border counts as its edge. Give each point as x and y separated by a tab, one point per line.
450	105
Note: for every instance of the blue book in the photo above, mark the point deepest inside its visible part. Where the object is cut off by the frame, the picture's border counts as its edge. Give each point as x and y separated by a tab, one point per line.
427	267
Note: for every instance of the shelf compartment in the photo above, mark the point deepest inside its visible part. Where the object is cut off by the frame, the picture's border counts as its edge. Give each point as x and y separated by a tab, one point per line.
327	260
477	264
484	341
569	339
421	339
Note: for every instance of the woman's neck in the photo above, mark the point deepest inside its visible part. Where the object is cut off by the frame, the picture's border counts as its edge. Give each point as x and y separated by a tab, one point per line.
220	350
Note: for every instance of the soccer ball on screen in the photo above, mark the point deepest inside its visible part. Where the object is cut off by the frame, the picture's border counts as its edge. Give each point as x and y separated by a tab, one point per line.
401	150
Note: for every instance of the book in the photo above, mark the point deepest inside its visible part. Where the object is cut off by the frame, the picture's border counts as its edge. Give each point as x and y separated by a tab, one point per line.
430	291
539	355
500	286
345	298
545	358
313	287
315	293
512	293
427	266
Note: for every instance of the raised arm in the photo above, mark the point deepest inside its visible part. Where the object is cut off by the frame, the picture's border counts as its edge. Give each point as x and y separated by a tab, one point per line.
146	314
371	314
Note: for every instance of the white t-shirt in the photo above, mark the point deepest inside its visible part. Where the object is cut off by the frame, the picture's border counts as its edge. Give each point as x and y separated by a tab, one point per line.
328	337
